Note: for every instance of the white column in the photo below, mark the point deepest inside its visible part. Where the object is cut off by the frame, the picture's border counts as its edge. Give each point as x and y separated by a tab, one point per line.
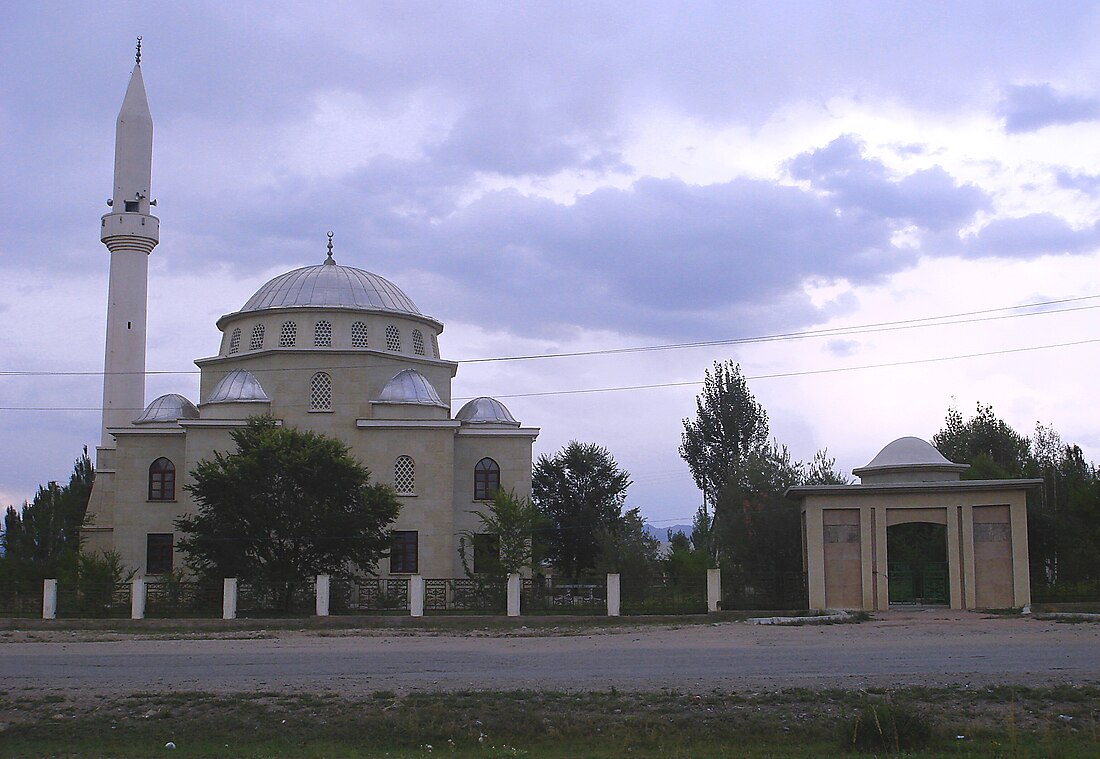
322	595
614	603
49	599
229	598
714	590
416	596
515	583
137	598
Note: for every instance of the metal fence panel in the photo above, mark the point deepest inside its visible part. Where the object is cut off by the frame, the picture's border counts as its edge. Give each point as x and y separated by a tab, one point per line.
376	595
94	601
276	599
22	600
663	596
465	595
765	591
182	599
545	595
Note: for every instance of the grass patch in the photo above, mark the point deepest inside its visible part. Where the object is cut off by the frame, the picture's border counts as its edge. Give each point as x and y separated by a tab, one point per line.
798	722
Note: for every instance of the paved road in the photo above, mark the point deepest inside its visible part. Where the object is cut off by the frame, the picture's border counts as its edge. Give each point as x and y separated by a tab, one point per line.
929	648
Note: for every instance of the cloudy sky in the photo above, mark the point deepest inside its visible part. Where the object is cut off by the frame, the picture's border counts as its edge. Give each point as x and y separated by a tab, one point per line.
908	193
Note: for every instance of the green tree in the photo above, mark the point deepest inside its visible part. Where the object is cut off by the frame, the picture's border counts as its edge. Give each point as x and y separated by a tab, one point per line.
992	448
729	429
288	504
579	490
43	539
514	527
626	548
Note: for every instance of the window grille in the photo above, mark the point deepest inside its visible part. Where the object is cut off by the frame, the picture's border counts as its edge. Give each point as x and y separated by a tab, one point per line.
322	334
403	552
320	392
162	480
435	345
257	340
486	479
393	338
358	335
288	335
235	341
158	554
404	475
418	342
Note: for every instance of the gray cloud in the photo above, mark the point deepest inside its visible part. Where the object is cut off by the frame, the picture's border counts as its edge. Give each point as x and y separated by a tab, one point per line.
930	198
1030	107
1033	235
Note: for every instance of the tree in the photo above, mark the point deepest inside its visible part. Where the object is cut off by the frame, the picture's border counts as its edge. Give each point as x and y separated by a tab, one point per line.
992	448
626	548
730	427
580	489
514	526
288	504
43	540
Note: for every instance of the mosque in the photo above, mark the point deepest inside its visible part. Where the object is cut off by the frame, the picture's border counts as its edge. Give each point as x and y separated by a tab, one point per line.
329	348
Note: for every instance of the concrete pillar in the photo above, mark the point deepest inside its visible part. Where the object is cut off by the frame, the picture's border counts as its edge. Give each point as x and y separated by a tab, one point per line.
137	598
954	557
714	590
969	575
229	598
322	595
815	555
882	560
1021	574
49	599
614	599
866	558
515	583
416	596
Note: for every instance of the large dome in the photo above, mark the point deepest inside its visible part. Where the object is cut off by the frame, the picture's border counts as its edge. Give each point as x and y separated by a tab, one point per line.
330	285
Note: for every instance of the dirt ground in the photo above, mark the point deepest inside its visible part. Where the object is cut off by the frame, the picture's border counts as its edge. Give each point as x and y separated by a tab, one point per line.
924	648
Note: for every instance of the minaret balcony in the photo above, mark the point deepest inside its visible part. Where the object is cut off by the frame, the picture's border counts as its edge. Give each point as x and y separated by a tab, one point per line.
130	229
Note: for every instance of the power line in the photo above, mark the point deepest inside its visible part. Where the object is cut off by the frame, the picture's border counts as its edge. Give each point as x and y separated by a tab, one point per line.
964	317
654	386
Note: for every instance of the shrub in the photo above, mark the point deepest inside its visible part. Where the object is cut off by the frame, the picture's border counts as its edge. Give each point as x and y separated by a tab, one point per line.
887	727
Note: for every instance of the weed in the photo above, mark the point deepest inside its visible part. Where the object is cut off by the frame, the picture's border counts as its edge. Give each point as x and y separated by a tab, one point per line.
887	727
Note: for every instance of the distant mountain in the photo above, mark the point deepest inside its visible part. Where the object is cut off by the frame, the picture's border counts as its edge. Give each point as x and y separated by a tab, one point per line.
661	533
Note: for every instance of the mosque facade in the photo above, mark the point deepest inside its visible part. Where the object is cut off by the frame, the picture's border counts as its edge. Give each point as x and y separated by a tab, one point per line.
329	348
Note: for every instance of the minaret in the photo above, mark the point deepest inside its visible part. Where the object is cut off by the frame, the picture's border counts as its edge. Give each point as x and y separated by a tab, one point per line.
130	232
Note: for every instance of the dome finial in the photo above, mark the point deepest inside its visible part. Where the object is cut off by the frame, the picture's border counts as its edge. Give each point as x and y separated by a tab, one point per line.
137	58
330	259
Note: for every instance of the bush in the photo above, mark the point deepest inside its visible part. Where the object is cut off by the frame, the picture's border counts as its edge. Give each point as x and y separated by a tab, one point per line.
887	727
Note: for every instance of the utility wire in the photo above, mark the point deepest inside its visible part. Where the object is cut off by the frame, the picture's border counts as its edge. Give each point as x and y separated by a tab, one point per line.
965	317
622	388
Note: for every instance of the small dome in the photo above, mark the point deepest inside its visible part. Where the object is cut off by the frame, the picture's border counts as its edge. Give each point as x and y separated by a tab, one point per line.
909	458
331	286
168	408
239	386
410	386
486	410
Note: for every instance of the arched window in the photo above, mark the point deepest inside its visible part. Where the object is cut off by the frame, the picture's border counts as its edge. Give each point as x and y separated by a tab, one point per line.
486	479
235	341
257	340
320	392
435	345
358	335
393	338
288	335
418	342
404	475
162	480
322	334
